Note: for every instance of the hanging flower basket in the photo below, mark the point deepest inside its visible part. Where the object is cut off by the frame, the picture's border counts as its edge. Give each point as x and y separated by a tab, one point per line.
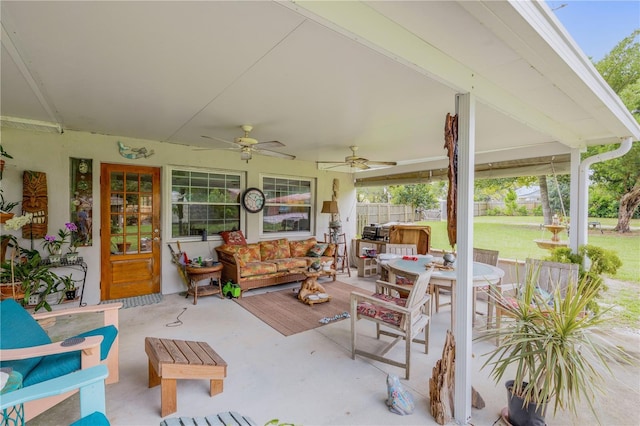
12	291
5	216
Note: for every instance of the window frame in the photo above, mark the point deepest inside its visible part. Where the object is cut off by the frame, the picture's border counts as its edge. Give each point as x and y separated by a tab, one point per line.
168	192
312	204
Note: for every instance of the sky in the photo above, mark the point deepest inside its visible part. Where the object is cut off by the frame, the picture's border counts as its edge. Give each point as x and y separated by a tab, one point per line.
597	26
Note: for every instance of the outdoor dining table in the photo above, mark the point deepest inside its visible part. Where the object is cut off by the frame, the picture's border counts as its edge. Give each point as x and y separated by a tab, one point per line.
483	275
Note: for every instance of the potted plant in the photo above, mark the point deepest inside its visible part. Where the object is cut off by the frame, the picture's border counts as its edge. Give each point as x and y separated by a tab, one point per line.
68	286
552	346
5	208
3	153
54	244
33	275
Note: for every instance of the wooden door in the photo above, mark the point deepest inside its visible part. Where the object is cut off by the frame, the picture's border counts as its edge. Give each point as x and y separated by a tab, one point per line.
130	240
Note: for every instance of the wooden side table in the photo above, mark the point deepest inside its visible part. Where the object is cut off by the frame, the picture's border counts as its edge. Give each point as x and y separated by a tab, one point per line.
195	275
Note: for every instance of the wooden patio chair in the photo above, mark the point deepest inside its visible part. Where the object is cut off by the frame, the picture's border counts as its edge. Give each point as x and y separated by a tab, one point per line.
548	277
89	382
394	250
26	348
394	316
490	257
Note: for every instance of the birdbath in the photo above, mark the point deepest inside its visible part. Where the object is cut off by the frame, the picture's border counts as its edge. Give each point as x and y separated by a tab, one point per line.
555	239
555	230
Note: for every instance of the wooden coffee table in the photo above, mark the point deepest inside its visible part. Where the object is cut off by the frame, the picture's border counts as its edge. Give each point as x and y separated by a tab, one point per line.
170	360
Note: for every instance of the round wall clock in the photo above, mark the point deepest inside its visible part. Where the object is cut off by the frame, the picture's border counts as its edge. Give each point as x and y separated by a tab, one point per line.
253	200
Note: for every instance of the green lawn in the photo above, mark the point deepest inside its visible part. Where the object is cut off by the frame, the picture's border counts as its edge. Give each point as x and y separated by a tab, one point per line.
514	238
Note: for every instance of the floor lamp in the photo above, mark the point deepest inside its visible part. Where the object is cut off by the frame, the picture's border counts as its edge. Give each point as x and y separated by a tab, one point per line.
334	224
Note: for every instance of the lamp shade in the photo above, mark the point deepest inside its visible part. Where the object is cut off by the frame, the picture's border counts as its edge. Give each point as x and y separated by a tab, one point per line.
330	207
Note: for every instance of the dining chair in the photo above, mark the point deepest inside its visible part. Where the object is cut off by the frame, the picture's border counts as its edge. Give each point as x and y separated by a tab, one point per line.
489	257
548	277
394	316
393	251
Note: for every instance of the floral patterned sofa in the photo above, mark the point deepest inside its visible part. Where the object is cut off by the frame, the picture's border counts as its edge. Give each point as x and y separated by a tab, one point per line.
272	262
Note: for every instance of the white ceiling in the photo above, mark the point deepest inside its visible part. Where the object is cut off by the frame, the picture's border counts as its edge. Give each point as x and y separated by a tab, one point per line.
317	76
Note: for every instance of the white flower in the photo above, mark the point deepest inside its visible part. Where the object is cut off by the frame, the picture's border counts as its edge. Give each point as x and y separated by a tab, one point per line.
18	222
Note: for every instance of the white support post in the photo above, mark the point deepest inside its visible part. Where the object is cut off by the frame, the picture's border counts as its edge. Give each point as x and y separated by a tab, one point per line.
466	110
575	218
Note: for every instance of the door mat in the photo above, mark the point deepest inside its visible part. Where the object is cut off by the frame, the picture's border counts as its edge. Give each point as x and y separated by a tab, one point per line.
285	313
132	302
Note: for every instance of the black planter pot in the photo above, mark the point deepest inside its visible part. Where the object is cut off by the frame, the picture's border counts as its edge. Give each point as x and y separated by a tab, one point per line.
70	294
519	415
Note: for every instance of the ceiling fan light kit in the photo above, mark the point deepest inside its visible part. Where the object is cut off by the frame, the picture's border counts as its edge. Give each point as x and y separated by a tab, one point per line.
248	145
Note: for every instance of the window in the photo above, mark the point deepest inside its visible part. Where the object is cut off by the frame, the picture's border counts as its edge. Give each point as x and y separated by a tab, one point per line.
204	202
287	205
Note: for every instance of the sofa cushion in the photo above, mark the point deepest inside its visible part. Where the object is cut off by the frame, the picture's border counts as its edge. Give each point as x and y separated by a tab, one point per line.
258	268
290	263
317	250
274	249
248	253
381	312
233	238
60	364
300	248
20	330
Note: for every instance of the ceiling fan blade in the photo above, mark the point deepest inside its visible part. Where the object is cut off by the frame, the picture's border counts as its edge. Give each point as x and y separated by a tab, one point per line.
273	153
218	139
360	165
269	144
381	163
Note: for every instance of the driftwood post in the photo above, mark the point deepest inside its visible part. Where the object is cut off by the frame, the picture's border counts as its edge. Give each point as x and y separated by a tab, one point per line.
442	384
451	145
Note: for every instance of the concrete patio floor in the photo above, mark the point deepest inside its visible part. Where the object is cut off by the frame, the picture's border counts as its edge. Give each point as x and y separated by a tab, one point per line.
305	379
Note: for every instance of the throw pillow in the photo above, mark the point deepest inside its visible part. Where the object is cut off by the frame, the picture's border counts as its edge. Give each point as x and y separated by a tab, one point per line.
317	250
300	248
331	250
233	238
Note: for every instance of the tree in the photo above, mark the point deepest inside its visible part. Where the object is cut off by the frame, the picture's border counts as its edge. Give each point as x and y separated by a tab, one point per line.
418	196
621	69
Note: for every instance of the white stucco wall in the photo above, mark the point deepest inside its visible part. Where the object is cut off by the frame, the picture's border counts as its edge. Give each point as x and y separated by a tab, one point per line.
50	153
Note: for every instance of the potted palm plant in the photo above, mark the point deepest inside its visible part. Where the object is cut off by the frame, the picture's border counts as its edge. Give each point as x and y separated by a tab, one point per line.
552	345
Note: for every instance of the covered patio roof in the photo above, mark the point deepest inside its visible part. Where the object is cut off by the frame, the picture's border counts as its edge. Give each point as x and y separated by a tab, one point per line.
316	76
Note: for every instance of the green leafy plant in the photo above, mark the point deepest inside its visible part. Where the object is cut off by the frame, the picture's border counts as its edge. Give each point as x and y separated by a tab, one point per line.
34	276
4	153
553	346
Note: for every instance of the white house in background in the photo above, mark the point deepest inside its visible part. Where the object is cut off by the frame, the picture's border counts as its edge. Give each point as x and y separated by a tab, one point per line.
528	194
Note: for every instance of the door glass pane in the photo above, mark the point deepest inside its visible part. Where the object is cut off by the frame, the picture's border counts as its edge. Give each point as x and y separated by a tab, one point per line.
145	243
117	181
132	182
146	183
132	224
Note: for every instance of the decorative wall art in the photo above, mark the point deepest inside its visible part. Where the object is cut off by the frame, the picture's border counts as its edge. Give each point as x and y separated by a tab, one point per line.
35	201
134	153
81	197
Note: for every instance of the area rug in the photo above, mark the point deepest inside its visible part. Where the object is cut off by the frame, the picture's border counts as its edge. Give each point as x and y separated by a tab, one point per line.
131	302
285	313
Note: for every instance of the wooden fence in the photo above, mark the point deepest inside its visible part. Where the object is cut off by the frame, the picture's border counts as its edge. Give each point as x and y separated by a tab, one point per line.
380	213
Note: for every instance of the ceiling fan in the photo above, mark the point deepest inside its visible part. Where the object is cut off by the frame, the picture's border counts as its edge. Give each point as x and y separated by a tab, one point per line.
248	145
356	162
